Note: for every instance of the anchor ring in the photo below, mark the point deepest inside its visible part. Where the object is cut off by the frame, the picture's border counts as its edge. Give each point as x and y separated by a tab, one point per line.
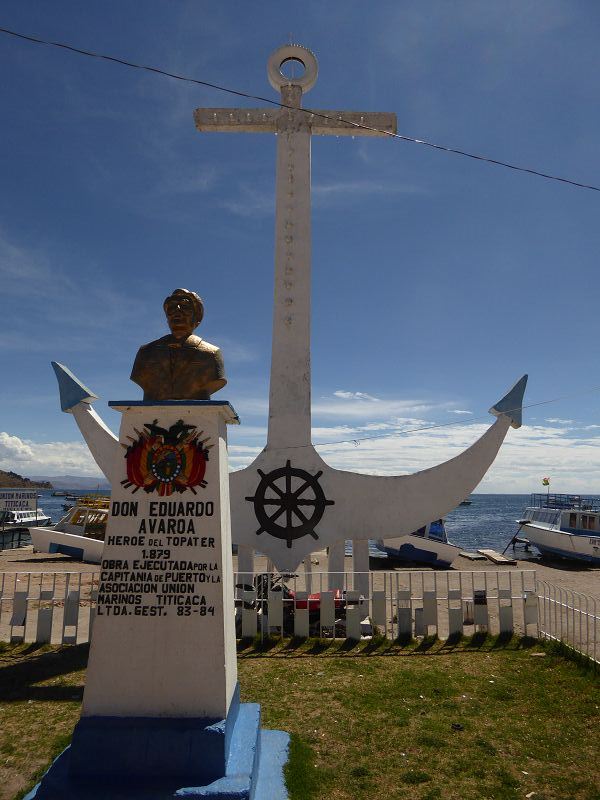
292	52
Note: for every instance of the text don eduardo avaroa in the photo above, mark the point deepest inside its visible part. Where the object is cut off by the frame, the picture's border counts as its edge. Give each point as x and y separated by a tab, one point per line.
156	565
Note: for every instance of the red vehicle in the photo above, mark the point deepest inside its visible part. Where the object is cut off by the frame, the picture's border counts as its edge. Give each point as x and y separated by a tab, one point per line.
265	583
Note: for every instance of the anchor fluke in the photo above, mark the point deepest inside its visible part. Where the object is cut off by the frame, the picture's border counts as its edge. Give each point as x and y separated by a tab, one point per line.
72	391
511	405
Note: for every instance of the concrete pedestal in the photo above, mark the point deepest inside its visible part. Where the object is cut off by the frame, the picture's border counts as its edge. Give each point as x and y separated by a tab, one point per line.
161	714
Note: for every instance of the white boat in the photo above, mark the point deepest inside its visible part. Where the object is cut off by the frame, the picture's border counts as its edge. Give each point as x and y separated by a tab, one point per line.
22	518
564	525
429	545
79	534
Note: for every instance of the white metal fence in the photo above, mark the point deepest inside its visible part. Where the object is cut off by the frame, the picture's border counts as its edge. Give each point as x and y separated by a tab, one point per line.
53	607
569	617
395	604
59	607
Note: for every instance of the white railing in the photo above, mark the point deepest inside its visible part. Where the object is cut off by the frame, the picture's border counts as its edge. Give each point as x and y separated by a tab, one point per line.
59	607
393	604
569	617
52	607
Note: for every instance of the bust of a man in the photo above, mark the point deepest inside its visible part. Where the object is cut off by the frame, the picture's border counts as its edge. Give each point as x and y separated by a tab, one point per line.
180	366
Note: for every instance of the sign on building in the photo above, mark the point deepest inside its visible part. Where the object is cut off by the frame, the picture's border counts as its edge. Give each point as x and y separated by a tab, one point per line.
18	499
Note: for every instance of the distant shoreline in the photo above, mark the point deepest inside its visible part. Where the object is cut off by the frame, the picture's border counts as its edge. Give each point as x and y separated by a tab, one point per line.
12	480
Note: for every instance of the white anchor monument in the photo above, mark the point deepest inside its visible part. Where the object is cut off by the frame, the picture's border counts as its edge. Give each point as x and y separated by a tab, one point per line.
289	501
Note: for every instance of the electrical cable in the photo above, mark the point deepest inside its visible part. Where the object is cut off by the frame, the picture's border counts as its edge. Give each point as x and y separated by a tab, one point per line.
357	440
337	119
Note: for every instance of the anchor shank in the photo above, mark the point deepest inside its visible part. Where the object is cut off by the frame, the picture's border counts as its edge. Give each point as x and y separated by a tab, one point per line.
289	394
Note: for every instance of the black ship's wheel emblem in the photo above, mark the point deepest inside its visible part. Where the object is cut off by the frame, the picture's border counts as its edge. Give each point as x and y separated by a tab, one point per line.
282	497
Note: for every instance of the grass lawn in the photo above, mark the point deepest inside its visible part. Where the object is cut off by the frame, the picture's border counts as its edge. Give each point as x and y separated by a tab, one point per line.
481	720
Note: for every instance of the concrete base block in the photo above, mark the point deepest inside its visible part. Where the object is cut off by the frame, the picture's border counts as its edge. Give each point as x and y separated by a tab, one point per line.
253	770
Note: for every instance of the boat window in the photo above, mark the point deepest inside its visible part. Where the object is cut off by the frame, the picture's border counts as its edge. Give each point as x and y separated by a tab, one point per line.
420	532
436	530
550	517
572	520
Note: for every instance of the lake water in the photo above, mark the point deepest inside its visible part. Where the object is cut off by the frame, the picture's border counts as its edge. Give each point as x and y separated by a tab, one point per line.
490	520
53	506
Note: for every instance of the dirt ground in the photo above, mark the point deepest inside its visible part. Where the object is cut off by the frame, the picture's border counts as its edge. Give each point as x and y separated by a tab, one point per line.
561	573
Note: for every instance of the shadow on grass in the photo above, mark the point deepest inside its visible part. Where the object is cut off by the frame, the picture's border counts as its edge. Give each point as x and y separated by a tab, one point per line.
426	644
502	640
318	647
585	664
17	679
479	639
378	645
453	642
458	644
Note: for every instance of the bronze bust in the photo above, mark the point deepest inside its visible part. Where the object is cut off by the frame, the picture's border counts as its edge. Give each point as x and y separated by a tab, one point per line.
180	366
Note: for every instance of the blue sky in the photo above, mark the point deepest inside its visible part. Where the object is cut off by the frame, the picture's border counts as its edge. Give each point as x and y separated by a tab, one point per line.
437	280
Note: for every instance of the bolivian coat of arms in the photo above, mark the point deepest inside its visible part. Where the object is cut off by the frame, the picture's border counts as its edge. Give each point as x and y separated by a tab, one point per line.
166	460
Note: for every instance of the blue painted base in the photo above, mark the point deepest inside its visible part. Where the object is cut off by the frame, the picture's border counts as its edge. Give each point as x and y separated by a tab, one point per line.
253	767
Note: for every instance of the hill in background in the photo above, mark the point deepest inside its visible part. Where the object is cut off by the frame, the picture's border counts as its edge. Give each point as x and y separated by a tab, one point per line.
11	480
73	482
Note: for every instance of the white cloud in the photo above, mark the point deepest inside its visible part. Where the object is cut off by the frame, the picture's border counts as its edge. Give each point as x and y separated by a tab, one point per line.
359	408
558	421
349	191
45	458
355	396
27	273
250	202
458	411
573	462
14	449
525	457
235	351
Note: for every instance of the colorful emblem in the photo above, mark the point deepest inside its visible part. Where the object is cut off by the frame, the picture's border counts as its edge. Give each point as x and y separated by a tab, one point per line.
166	460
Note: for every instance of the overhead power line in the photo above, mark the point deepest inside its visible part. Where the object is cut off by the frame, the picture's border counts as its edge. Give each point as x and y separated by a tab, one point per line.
356	440
237	93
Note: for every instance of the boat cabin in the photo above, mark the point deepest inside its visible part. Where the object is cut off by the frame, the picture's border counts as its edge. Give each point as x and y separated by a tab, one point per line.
434	530
566	512
15	518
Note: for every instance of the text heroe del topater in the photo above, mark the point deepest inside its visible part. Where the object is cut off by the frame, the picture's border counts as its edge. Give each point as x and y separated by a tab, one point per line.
162	573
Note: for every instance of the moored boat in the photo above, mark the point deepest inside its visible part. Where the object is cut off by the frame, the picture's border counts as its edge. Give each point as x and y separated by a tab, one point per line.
79	534
22	518
429	545
563	525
